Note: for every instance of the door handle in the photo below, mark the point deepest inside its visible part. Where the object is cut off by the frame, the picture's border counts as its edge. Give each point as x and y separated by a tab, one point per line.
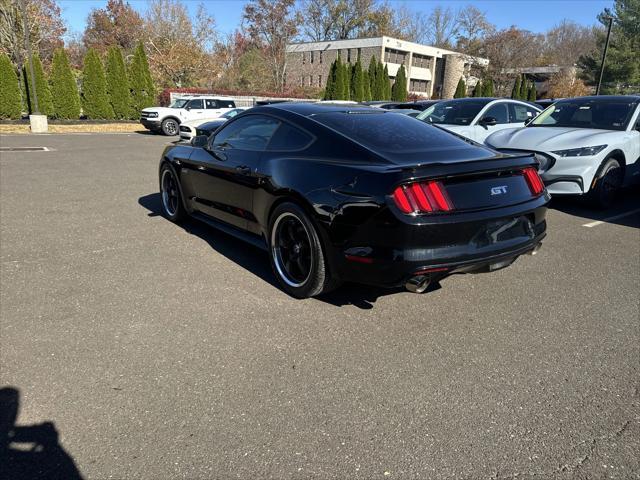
243	170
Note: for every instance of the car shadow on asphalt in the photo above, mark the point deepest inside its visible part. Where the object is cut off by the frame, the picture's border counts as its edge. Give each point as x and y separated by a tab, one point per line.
30	452
619	213
256	261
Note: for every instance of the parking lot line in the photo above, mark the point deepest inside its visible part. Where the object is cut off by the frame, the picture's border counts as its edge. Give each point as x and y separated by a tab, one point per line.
615	217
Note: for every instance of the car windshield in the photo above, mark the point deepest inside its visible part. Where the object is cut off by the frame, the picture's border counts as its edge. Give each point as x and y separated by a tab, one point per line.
601	113
454	112
179	103
231	113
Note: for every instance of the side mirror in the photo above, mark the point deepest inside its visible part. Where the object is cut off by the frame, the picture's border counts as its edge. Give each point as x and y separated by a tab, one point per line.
199	141
488	122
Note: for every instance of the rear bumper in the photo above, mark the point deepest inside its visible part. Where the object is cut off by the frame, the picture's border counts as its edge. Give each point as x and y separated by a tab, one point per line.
388	255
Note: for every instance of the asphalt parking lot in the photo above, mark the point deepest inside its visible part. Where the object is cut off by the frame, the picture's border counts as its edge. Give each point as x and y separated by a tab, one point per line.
162	351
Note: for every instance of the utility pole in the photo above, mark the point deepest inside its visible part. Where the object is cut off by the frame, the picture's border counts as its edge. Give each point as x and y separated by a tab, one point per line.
604	54
27	44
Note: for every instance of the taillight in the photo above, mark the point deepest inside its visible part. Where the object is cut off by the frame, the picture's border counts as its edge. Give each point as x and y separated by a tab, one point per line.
533	180
422	197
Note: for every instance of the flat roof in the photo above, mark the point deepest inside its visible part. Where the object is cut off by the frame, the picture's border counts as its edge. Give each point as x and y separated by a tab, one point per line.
385	41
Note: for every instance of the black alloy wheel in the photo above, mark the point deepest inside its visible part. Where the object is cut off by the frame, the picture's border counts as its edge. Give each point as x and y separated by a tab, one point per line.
170	193
296	254
170	127
608	185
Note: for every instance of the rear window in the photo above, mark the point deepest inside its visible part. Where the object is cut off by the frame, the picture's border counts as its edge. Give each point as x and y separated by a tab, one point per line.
389	132
289	138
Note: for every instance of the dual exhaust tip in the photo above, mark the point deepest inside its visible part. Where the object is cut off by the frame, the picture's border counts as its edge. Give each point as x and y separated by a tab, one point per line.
418	284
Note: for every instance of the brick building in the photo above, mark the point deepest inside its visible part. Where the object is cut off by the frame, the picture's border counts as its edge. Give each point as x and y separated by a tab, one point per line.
431	72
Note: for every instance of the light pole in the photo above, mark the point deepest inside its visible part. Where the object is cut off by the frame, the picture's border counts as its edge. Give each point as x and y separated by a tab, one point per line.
604	54
37	121
27	44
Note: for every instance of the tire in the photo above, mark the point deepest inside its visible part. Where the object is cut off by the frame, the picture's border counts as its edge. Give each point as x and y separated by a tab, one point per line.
170	127
295	250
170	196
608	185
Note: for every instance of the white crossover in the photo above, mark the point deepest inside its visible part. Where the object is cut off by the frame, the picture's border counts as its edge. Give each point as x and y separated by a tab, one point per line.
477	118
184	109
585	145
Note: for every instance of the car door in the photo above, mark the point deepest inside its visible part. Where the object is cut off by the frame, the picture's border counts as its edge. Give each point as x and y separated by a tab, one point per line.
498	111
519	113
195	109
224	175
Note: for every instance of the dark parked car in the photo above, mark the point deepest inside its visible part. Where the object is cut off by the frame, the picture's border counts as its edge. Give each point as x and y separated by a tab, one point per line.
351	193
417	105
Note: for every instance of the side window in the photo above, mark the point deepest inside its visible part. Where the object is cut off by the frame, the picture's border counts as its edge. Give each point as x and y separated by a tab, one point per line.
249	133
226	104
196	104
499	111
210	104
520	113
289	138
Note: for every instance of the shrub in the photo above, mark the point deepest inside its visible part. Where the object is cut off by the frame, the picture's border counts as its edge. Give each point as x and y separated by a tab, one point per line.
10	102
45	101
66	101
461	89
142	89
118	84
95	102
399	89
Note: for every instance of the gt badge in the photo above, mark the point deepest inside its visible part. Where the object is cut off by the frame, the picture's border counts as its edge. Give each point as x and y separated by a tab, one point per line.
499	190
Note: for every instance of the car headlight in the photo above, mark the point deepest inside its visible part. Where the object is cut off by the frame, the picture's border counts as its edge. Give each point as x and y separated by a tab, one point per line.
152	114
580	152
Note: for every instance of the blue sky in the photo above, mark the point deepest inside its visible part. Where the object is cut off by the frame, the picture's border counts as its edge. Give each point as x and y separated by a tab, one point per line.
534	15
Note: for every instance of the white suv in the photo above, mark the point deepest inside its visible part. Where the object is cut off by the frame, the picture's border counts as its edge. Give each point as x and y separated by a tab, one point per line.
191	107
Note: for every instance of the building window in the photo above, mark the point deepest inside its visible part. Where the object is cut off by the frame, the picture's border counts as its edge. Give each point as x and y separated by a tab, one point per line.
418	85
421	61
320	55
394	56
320	80
311	56
359	53
304	59
348	55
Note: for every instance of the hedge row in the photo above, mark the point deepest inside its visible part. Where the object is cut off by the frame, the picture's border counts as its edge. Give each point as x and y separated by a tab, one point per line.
114	92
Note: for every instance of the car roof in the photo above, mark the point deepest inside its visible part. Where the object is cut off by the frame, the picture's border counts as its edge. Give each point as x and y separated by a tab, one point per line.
308	109
603	97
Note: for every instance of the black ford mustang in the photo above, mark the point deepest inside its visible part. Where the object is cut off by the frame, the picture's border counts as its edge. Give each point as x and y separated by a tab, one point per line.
347	193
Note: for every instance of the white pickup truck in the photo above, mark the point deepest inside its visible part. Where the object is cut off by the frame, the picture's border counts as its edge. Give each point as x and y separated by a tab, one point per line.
190	107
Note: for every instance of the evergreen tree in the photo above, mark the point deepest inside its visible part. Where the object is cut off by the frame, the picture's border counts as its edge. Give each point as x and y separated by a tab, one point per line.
357	82
118	84
515	91
532	94
142	89
622	67
373	77
487	88
367	86
340	80
461	89
95	101
10	101
45	101
386	82
524	86
346	93
399	89
478	90
66	101
329	89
